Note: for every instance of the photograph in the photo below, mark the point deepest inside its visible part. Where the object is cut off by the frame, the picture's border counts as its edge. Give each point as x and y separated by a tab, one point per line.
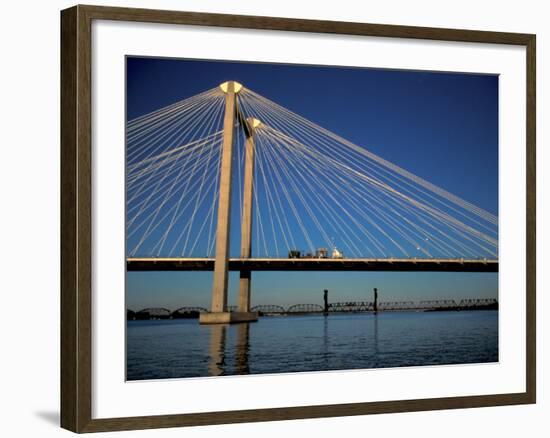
288	218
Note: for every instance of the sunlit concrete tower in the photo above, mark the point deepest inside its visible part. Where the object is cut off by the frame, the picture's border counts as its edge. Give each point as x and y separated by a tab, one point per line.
219	313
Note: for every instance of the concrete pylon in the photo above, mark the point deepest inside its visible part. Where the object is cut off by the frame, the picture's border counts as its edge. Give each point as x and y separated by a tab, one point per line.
246	225
218	313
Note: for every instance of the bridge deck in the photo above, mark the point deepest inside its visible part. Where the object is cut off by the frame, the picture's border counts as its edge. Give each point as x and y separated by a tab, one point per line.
314	264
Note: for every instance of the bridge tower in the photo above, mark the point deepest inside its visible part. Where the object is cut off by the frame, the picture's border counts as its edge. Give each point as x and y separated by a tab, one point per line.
250	126
219	313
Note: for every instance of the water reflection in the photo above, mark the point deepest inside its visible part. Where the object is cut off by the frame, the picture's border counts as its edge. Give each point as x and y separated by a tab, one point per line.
218	349
241	354
229	346
375	336
216	359
326	350
184	348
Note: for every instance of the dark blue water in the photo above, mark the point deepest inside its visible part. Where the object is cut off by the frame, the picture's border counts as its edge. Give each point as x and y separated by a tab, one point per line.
183	348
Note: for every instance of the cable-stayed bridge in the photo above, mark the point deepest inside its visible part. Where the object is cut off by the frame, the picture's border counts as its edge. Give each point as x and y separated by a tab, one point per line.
307	199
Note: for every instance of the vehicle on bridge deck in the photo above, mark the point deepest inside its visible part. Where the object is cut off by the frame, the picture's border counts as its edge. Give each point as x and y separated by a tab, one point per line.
320	253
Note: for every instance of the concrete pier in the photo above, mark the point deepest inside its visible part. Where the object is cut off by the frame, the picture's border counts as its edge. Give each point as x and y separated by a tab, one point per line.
219	313
221	261
246	225
227	317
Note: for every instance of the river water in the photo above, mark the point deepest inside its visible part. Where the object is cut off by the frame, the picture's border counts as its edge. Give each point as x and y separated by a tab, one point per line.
183	348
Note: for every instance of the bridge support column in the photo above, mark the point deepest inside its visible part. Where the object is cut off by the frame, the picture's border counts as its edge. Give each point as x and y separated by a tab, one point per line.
221	263
246	226
218	313
244	291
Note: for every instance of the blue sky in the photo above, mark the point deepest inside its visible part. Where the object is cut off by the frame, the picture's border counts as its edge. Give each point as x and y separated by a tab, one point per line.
440	126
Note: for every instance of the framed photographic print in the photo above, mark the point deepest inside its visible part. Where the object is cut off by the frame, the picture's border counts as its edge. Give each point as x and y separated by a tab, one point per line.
267	218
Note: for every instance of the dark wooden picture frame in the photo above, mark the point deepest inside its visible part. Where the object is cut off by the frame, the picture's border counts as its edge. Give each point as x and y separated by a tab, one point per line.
76	218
